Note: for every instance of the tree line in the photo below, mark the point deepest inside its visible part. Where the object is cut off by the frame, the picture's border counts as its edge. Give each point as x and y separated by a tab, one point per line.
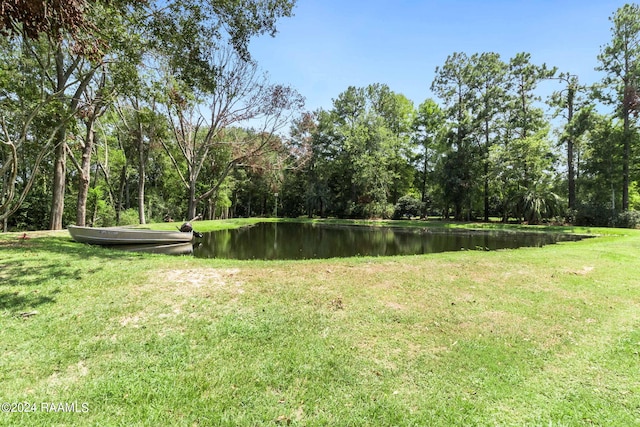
119	112
487	147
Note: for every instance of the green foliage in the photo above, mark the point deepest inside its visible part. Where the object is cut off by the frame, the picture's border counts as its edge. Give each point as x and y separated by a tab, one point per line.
104	47
407	207
454	174
427	138
634	196
537	204
381	210
33	214
100	213
601	169
620	60
360	154
488	103
292	195
522	176
592	214
184	32
628	219
129	217
525	118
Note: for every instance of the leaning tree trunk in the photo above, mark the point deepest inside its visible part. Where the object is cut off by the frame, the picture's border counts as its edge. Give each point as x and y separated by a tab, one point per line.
84	168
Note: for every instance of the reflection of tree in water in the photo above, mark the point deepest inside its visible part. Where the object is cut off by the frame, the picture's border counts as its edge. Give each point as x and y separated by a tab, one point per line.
306	241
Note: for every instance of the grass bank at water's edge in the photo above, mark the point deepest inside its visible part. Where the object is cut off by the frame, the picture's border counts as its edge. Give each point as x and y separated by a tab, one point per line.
532	336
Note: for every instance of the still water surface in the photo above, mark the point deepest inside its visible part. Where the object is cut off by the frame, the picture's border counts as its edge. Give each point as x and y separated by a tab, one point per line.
305	241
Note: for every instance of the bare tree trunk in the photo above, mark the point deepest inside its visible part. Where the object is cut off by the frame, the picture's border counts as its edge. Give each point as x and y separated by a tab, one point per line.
193	202
60	153
625	162
572	174
486	191
425	165
234	204
121	191
485	161
127	196
59	182
94	215
83	192
94	184
570	167
141	173
84	176
5	220
211	213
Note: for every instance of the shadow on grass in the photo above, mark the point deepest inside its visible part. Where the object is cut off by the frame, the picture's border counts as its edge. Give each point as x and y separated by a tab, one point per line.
32	273
30	269
17	301
66	246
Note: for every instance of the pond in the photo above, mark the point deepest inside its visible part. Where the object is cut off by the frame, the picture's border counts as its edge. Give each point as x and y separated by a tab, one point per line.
271	241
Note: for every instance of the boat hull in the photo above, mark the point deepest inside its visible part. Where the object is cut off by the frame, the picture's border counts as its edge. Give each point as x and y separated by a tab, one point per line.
184	248
126	236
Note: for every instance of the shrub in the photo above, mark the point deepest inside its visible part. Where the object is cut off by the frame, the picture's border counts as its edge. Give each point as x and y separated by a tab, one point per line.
593	215
628	219
537	204
377	210
407	207
129	217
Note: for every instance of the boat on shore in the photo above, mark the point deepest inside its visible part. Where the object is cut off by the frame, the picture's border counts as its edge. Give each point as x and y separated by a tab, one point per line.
127	236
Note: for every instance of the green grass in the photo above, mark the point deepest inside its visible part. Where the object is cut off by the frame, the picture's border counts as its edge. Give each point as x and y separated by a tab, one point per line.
533	336
206	226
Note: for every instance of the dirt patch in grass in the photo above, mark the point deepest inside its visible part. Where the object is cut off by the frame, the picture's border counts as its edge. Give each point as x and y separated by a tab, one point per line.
171	290
582	271
394	305
194	282
71	375
132	320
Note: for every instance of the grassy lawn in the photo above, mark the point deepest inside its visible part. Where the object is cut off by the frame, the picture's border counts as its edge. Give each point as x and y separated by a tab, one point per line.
535	336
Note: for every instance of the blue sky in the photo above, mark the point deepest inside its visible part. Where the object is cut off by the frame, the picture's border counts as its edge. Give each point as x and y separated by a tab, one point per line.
330	45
